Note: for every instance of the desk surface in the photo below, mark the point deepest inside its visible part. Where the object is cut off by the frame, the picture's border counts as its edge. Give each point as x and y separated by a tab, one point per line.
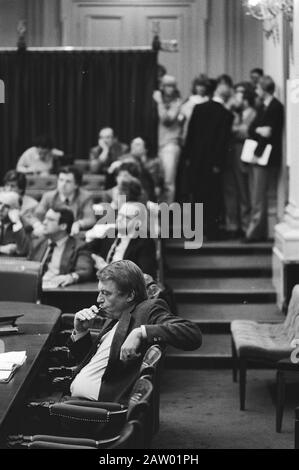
36	317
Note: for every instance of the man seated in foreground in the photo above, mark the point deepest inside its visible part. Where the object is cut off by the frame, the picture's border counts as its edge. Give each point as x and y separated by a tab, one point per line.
64	260
110	366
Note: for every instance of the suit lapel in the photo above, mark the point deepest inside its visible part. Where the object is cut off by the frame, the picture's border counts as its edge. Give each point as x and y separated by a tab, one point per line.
118	339
65	264
131	249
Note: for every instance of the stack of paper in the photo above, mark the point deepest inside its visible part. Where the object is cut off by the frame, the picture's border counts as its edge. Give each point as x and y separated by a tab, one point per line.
9	362
8	324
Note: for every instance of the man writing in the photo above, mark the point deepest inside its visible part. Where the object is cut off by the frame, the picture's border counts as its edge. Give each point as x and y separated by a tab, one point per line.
110	366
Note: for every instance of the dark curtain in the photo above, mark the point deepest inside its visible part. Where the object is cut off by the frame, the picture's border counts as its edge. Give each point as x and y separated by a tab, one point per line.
70	95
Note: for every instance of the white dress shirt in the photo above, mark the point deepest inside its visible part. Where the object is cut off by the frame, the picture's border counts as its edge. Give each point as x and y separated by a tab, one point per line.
88	382
120	249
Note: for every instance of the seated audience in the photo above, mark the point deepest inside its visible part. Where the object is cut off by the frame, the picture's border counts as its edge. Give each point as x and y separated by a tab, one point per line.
16	182
110	368
128	243
64	260
69	194
9	216
152	176
125	170
107	151
39	159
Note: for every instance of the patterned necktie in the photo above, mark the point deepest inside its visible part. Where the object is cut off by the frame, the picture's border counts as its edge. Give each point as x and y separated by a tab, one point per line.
48	257
112	250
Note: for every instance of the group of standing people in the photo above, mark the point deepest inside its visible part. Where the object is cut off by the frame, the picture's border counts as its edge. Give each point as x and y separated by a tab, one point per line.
205	136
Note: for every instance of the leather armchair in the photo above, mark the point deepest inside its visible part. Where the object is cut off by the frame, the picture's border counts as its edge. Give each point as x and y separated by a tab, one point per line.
83	419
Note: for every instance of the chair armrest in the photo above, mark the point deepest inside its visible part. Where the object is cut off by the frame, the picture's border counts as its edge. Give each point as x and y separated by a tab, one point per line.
97	404
287	364
80	413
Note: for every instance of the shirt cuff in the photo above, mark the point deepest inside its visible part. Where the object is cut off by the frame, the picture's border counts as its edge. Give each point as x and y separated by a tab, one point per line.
143	332
76	335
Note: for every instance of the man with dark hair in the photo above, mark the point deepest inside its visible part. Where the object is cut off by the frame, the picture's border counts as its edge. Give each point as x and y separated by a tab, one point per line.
110	367
255	75
64	261
17	182
265	129
39	159
69	194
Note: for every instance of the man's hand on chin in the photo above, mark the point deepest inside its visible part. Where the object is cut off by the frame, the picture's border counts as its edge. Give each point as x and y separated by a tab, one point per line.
128	351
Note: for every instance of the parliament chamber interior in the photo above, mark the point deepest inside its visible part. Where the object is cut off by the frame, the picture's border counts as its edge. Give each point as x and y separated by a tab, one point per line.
149	225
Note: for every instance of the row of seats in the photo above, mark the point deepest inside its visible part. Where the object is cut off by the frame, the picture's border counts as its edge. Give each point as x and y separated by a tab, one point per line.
37	185
97	425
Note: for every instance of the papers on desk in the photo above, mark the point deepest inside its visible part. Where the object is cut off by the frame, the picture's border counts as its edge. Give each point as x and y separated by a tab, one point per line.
8	324
9	363
248	155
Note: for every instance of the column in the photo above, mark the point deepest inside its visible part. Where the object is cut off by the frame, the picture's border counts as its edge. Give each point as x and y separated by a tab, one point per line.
286	246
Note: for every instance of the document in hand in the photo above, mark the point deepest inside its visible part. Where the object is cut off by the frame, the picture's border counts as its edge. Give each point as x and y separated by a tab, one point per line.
248	155
9	362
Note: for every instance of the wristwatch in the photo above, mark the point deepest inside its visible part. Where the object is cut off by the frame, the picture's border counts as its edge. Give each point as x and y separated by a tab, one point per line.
75	277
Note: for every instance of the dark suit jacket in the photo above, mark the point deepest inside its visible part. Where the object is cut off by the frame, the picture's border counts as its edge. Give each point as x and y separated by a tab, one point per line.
81	206
75	259
161	327
9	236
142	251
207	143
273	117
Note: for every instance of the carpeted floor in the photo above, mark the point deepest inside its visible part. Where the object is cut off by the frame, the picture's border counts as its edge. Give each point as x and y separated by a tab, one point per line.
200	410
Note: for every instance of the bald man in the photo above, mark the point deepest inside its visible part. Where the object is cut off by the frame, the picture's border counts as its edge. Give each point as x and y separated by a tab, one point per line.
9	217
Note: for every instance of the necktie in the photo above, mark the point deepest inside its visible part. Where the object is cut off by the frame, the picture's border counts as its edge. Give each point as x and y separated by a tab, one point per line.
112	250
48	257
67	202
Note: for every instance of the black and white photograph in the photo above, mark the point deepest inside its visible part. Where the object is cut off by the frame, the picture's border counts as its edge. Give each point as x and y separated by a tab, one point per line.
149	228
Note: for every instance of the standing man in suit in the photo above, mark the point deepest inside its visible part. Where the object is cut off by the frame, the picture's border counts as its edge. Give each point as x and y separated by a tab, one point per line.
111	365
64	261
206	151
265	129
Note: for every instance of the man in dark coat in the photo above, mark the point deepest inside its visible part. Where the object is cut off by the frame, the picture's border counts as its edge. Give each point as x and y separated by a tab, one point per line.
206	150
265	129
